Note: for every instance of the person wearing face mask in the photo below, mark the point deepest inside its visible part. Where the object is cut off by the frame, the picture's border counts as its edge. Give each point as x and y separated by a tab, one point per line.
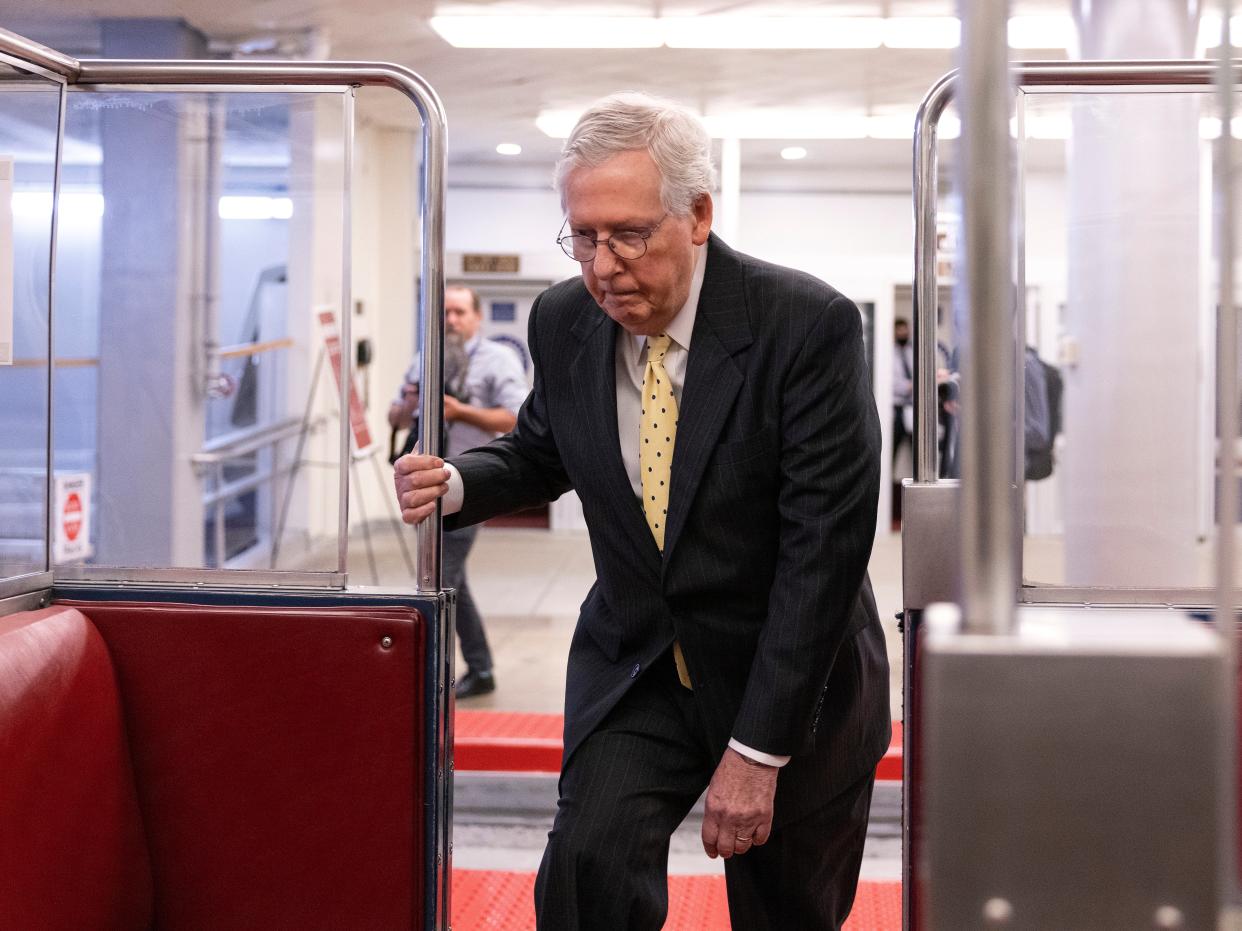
714	414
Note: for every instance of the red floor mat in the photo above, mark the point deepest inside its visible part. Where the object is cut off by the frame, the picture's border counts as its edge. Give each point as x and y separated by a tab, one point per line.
487	899
517	741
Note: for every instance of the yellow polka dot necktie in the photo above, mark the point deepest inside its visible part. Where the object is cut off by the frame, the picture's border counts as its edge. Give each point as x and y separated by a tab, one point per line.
657	436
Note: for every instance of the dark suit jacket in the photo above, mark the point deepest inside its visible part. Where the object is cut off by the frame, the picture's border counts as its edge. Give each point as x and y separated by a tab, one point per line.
772	512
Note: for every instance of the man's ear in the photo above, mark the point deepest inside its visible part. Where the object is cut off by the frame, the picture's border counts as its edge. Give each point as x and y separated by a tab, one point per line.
702	212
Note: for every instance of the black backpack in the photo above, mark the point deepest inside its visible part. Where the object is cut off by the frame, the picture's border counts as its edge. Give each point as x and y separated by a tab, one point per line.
1039	460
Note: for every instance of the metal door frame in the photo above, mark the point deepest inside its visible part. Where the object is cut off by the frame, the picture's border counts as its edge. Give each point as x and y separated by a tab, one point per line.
139	75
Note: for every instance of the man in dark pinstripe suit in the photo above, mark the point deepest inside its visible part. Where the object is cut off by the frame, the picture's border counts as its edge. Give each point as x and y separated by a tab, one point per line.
731	641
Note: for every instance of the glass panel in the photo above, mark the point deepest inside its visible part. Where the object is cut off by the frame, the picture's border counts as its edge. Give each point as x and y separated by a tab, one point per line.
1119	409
29	118
196	396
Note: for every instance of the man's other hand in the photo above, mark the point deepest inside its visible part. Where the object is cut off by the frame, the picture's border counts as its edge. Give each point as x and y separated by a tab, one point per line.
738	813
420	481
452	409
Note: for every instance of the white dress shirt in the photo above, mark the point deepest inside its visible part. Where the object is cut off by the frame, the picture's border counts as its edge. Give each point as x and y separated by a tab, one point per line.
631	367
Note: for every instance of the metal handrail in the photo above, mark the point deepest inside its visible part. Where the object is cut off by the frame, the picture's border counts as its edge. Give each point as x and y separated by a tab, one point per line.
39	55
244	442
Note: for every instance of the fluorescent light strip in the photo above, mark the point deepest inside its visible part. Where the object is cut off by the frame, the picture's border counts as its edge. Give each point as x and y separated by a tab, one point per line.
778	124
734	32
255	208
74	205
1210	30
549	31
773	32
1042	32
922	32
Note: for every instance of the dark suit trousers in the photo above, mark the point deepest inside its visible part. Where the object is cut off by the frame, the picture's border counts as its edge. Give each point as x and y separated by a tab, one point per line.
474	648
631	783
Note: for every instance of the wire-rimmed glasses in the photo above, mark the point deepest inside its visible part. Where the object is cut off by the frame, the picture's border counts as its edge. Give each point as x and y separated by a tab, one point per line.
625	244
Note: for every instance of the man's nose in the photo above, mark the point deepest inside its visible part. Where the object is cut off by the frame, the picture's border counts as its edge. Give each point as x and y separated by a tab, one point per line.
605	264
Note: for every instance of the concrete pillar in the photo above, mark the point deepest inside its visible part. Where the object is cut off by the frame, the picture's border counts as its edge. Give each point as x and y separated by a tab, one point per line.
1132	463
150	408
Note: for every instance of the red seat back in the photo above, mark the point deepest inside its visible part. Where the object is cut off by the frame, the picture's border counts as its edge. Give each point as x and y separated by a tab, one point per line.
277	757
72	851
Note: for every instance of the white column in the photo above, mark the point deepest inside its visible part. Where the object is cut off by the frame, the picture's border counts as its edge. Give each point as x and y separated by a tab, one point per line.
1132	462
727	222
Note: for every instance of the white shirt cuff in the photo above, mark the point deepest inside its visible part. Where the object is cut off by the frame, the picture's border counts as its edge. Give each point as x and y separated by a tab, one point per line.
456	495
771	759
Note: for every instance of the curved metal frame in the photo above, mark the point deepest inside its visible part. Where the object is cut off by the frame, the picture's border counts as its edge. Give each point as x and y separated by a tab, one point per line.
432	183
1047	76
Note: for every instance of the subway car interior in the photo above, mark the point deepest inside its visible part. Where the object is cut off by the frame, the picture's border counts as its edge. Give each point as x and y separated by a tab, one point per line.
231	693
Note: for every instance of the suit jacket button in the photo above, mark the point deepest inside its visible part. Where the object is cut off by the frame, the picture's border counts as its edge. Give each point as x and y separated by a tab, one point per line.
635	670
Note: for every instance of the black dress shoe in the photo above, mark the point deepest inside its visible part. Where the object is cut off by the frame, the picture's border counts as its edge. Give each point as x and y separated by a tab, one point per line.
475	683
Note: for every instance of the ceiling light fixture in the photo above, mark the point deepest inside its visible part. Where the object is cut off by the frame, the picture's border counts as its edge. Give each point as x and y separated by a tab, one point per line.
549	31
776	123
1042	32
782	124
922	32
773	32
719	31
1210	30
793	153
508	148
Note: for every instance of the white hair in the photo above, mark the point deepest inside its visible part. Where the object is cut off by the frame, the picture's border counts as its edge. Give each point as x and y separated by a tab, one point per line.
667	131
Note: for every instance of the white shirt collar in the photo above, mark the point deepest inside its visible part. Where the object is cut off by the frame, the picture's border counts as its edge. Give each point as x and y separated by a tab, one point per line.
681	327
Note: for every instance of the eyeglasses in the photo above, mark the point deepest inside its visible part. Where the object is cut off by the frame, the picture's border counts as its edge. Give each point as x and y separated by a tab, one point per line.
625	244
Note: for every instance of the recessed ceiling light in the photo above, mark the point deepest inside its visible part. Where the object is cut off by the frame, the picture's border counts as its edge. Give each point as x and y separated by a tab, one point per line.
793	152
509	148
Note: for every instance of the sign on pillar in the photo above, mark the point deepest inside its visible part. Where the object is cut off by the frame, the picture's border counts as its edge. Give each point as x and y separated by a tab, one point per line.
71	524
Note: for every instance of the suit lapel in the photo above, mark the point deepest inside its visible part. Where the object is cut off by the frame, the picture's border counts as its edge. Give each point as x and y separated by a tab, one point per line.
593	374
713	379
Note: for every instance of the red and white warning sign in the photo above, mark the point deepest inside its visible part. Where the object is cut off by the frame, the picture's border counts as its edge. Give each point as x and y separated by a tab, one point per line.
71	525
357	414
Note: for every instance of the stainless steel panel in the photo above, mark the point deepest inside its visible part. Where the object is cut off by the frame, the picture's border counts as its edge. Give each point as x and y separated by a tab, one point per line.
930	530
1072	773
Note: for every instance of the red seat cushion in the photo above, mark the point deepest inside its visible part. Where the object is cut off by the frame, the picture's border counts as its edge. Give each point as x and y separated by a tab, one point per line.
72	850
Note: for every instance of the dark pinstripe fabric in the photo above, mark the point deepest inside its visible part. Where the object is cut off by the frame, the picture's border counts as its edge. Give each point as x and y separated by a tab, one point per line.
772	514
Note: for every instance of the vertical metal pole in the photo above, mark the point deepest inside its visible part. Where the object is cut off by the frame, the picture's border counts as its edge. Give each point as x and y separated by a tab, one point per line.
431	299
220	540
1227	417
53	234
988	525
347	341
